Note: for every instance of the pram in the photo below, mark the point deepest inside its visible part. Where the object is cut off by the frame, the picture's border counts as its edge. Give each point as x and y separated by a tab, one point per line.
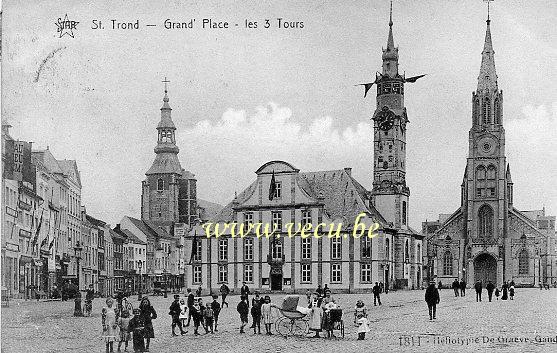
294	321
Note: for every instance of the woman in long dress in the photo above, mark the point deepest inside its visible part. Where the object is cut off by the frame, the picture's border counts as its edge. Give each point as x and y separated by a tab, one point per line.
505	294
267	314
316	316
148	313
110	325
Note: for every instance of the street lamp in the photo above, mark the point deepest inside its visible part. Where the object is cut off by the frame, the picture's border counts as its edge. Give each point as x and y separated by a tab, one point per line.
164	274
77	302
139	264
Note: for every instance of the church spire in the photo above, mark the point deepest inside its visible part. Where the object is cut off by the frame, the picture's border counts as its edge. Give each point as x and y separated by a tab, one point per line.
390	41
487	80
390	54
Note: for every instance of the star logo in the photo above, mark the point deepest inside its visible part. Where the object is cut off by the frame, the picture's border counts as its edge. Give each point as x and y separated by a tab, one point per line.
65	26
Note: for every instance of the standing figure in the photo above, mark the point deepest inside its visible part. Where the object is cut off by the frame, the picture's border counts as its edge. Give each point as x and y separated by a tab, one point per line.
359	311
124	326
462	288
316	315
267	314
490	288
432	298
244	291
224	291
319	290
202	314
183	312
190	303
209	318
376	295
440	285
215	306
363	327
198	291
89	296
243	310
478	286
174	312
137	327
511	291
497	292
110	325
505	295
195	313
148	313
456	287
326	288
256	313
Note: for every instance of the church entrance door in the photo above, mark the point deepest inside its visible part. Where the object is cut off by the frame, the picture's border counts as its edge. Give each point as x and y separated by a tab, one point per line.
485	269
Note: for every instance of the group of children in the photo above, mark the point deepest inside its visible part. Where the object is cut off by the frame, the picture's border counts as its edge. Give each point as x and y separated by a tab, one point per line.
261	310
204	315
118	326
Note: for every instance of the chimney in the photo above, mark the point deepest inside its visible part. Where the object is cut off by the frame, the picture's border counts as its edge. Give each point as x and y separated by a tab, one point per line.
348	171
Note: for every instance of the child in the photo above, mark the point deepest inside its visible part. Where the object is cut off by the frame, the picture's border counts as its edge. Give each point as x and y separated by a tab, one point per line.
137	326
124	330
215	305
202	308
243	310
208	314
175	314
183	312
511	292
195	312
497	292
256	313
360	311
363	327
267	314
110	325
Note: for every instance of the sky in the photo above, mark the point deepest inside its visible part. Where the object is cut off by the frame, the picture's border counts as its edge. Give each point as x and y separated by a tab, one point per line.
242	97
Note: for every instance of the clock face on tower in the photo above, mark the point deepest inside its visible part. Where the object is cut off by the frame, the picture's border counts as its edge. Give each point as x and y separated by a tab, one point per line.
385	119
486	146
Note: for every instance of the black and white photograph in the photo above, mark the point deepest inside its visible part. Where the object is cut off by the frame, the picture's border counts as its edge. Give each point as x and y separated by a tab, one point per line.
278	176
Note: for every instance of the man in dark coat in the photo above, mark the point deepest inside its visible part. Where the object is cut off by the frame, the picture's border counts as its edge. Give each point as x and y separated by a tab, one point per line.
376	296
432	299
478	286
244	292
243	310
319	290
175	314
490	288
456	287
224	291
191	299
462	288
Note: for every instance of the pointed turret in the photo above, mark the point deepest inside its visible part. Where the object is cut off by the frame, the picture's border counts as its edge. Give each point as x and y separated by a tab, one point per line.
508	174
487	80
390	54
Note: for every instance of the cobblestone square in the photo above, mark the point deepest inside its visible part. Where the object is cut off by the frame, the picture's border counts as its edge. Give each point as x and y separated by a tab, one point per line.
401	324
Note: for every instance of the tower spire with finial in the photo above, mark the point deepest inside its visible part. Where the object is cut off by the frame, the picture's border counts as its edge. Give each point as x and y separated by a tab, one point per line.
165	99
390	41
488	75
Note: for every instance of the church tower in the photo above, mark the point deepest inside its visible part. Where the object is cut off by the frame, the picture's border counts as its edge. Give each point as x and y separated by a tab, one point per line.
168	192
488	191
390	193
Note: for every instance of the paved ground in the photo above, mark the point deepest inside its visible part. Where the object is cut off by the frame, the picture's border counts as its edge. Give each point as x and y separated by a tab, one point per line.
401	324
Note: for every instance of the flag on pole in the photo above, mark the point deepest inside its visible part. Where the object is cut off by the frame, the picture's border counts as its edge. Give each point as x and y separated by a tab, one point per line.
272	187
36	237
193	247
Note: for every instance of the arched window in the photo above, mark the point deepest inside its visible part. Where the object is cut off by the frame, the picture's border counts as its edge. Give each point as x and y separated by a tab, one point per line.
491	180
404	215
387	249
486	111
497	111
419	253
160	185
448	264
523	263
485	216
407	251
480	181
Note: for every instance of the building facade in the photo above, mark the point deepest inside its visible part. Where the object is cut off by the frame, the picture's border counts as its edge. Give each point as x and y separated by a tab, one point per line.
488	238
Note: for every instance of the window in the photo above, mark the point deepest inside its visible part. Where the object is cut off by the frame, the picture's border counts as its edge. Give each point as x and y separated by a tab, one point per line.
248	218
419	253
481	181
365	273
248	273
387	249
336	248
407	251
404	212
366	247
477	112
278	190
277	220
306	273
486	111
523	263
276	249
485	215
197	274
160	185
196	246
223	249
497	111
491	180
223	273
306	248
336	273
448	264
248	249
306	217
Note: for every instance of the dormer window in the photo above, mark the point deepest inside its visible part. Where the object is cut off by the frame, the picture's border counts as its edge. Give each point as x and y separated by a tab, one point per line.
160	185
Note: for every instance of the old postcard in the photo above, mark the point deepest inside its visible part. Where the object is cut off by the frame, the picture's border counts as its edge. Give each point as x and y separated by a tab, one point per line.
293	176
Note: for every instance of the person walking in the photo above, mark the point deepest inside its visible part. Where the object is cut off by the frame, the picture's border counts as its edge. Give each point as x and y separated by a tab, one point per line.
224	291
456	287
432	298
511	291
256	313
174	312
505	294
209	318
149	314
183	312
490	288
440	285
215	306
462	288
244	291
243	310
478	287
125	333
190	303
89	296
497	292
137	327
376	294
110	319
